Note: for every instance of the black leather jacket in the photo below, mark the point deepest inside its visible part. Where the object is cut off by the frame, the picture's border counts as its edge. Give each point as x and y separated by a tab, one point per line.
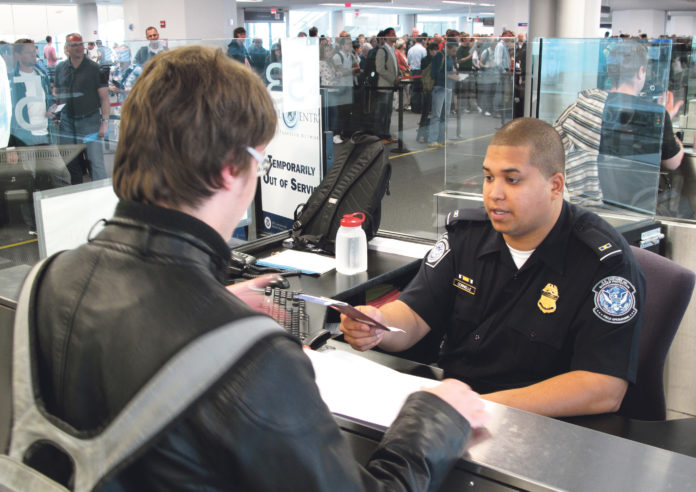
111	312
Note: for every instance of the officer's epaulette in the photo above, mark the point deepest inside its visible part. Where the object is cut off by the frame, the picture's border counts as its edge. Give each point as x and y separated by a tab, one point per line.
603	244
466	215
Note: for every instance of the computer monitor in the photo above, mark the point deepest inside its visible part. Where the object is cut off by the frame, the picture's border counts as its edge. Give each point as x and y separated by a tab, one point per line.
65	216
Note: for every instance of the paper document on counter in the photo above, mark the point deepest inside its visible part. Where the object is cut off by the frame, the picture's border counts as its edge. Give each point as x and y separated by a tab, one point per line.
356	387
290	259
398	247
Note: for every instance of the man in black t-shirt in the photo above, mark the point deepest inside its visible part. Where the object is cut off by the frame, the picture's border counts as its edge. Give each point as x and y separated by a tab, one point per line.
466	88
83	88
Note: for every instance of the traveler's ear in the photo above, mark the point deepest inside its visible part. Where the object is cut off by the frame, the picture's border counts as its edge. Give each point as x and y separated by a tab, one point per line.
228	174
231	171
231	164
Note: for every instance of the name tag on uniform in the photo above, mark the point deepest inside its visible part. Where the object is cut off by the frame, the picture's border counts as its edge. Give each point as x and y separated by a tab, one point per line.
464	283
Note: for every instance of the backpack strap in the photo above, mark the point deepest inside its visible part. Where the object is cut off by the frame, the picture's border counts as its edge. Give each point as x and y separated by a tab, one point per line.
174	388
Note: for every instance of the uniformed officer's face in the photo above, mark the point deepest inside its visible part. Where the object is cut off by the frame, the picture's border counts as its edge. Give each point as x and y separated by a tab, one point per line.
521	203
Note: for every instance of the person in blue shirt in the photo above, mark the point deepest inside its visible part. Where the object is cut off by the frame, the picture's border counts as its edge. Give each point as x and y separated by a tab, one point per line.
236	49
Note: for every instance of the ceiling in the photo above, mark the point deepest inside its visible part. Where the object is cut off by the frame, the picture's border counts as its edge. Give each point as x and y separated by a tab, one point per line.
463	7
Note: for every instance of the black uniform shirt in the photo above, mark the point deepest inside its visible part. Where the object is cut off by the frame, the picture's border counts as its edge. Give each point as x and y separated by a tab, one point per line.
78	87
574	305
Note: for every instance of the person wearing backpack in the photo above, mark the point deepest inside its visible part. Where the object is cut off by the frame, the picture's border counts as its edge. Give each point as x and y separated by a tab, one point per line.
369	83
109	314
427	83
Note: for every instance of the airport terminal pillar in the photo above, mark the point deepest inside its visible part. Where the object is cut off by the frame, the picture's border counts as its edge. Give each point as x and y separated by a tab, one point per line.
88	21
558	19
182	19
407	22
563	18
337	23
578	18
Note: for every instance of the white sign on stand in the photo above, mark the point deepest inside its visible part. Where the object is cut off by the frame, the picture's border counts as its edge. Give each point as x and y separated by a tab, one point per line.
295	151
5	105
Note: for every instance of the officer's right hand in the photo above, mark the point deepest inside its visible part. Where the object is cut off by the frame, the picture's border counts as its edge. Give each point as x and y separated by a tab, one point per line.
359	335
467	402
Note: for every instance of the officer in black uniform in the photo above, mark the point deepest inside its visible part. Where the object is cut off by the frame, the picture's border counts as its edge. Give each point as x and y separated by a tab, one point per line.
537	301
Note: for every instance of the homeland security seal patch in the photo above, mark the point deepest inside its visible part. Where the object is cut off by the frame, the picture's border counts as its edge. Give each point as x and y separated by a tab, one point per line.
615	300
438	252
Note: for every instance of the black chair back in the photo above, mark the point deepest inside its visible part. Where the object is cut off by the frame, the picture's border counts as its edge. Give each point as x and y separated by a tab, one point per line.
668	291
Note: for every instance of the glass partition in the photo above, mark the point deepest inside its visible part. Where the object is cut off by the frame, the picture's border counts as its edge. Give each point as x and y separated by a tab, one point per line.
435	123
616	108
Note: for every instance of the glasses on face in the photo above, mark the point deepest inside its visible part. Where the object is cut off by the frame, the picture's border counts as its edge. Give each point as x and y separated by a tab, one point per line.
263	165
73	45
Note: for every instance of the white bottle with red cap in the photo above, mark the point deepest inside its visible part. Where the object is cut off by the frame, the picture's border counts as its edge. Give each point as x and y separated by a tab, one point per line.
351	245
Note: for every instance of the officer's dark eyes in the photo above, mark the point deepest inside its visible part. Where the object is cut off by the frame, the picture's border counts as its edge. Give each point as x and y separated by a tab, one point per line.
487	177
512	180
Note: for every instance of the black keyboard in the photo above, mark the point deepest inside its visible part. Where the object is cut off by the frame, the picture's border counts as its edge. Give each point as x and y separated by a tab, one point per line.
291	314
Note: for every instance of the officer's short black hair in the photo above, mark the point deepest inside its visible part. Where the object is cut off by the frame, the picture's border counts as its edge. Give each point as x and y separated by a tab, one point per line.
546	148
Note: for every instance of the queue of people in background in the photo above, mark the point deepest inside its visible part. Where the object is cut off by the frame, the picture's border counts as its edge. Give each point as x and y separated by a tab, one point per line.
481	79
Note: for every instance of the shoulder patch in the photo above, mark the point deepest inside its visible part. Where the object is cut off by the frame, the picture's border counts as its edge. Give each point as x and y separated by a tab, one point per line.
466	215
614	300
438	252
601	243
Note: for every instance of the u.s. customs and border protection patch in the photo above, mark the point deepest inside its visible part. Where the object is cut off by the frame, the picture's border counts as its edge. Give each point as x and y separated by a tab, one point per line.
615	300
548	298
438	252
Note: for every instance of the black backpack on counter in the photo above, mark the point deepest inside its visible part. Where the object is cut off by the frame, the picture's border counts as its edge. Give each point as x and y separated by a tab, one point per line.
356	182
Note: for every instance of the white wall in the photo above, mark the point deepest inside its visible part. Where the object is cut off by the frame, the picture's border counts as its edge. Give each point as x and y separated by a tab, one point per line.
211	19
681	23
140	15
509	13
37	21
634	22
185	19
